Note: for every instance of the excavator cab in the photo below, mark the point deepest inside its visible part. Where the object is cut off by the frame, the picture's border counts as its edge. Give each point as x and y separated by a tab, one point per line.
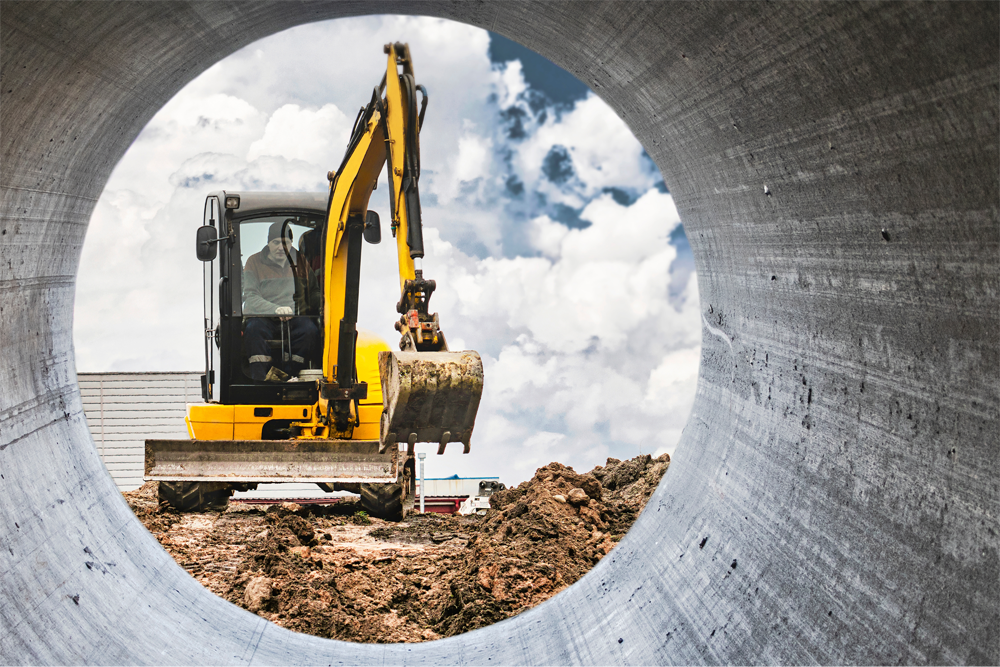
260	356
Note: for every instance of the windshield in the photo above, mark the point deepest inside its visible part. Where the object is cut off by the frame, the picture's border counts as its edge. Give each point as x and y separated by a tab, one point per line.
282	261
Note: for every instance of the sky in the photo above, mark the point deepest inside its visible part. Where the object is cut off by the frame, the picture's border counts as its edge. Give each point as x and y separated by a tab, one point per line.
558	253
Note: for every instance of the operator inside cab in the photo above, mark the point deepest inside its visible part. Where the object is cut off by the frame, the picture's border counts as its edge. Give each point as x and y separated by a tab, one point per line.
281	298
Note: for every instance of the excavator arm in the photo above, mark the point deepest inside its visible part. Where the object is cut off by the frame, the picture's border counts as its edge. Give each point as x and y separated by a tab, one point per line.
429	394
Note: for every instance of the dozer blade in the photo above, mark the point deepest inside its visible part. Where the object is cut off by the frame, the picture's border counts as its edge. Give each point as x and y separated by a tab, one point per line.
269	461
429	397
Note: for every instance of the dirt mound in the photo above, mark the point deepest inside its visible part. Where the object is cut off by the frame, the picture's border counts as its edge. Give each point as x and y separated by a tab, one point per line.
328	576
543	535
145	503
333	572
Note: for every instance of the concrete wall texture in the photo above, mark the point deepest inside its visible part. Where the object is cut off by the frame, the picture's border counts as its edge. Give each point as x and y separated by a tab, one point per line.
834	498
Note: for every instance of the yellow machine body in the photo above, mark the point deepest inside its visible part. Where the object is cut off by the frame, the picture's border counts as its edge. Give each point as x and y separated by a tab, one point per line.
213	421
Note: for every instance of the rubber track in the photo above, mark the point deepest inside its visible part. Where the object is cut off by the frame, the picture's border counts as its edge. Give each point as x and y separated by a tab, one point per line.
383	501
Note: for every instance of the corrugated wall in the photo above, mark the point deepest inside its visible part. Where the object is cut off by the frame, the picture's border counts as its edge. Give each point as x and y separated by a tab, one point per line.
123	409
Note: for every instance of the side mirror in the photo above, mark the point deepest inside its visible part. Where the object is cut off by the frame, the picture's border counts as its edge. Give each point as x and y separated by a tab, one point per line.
373	228
207	239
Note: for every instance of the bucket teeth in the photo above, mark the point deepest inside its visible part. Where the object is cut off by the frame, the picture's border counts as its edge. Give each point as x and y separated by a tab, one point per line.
430	397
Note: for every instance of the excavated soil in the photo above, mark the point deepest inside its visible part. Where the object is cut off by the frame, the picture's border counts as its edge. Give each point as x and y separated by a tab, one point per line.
330	571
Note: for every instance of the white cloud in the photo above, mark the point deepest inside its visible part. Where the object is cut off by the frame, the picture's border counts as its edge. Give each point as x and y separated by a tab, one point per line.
584	343
472	161
547	236
585	355
601	150
598	283
670	382
313	136
511	84
218	123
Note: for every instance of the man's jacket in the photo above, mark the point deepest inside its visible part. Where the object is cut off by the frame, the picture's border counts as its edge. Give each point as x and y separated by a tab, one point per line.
267	285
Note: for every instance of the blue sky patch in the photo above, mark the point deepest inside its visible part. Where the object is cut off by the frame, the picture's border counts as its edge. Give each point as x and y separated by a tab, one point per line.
558	165
539	72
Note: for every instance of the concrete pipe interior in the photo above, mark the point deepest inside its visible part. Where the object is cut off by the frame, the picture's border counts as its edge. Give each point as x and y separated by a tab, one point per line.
834	498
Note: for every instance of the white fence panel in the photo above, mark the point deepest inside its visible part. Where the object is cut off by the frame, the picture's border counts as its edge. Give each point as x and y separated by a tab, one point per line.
123	409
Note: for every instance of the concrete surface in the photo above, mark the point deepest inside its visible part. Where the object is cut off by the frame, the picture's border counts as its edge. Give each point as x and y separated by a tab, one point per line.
835	495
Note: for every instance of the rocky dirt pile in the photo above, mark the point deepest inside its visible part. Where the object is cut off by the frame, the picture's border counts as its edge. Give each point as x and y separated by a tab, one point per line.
330	571
543	535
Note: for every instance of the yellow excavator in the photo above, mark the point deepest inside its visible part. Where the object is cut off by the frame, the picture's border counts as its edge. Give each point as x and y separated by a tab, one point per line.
293	390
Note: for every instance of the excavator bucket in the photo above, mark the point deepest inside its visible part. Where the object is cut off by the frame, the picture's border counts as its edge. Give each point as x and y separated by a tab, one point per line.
429	397
269	461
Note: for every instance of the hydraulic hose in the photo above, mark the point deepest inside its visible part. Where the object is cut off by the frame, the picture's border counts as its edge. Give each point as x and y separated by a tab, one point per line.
411	168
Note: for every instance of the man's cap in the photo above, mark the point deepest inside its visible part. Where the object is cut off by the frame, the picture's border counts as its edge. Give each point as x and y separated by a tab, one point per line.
274	231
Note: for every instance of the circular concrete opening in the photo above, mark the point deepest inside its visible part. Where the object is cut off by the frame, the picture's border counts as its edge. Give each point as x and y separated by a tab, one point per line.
558	256
833	498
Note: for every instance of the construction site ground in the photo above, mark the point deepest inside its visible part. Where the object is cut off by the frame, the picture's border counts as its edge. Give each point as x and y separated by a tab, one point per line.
331	571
